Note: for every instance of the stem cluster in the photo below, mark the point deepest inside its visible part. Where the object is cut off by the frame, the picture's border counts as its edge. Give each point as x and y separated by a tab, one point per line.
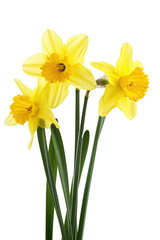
53	159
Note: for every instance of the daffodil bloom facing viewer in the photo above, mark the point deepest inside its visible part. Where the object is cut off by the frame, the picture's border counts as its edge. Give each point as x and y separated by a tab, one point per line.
127	84
61	65
31	107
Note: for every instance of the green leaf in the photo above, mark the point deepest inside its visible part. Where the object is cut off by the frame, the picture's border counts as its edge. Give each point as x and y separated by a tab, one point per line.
49	201
89	178
85	143
61	161
62	168
49	175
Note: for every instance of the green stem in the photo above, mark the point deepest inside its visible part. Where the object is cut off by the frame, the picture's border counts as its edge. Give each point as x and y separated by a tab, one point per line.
85	145
77	170
49	201
77	114
49	175
89	178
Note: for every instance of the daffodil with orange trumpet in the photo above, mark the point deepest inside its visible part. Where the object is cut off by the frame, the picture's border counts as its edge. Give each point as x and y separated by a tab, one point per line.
127	84
31	107
61	65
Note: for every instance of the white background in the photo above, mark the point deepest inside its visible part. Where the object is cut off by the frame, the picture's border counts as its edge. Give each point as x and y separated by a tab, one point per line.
124	201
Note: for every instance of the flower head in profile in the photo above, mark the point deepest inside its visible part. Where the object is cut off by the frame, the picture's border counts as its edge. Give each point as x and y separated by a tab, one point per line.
127	84
31	107
61	65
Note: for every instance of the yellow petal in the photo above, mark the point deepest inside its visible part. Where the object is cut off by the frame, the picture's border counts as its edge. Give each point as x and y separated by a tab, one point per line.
10	121
40	92
124	63
45	113
32	125
82	77
33	64
51	42
136	64
108	69
24	89
57	92
109	100
76	48
128	107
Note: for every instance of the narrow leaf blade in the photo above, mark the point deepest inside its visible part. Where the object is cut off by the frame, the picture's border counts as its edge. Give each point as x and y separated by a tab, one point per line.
62	168
85	145
61	161
88	179
47	166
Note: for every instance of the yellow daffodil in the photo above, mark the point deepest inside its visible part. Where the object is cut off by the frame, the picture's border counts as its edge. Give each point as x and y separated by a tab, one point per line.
61	65
31	107
127	84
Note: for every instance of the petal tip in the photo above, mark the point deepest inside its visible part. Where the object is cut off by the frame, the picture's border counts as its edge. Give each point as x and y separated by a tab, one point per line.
10	121
30	143
48	30
16	81
84	36
95	84
126	44
126	47
131	117
93	64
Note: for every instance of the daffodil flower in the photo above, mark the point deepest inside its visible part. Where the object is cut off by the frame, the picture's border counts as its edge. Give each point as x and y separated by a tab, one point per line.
61	65
127	84
31	107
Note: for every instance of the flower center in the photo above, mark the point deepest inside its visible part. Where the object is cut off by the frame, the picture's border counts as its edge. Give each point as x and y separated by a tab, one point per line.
134	85
23	108
61	67
56	69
